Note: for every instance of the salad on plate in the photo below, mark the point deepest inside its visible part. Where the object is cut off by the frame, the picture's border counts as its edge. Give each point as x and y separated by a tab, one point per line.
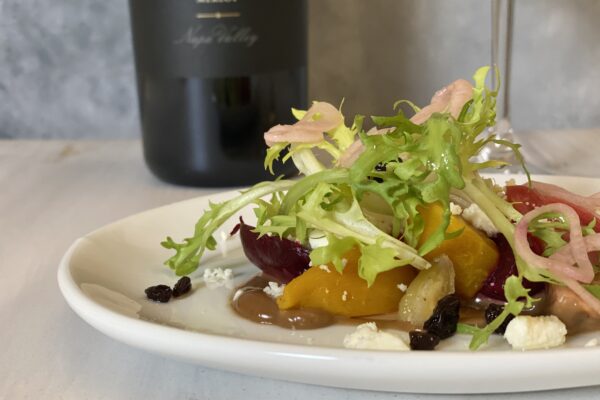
392	226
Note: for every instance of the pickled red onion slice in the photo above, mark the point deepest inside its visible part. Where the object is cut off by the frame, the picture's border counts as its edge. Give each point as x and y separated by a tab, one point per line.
589	203
561	263
308	129
584	272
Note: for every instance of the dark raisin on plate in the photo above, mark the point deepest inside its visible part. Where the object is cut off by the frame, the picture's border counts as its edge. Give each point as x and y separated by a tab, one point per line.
444	319
421	340
160	293
182	286
492	312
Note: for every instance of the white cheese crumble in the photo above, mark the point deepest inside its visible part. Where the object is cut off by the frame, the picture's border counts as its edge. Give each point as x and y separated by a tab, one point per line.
455	209
368	337
344	262
402	287
274	289
591	343
218	277
345	295
476	217
526	332
324	268
223	244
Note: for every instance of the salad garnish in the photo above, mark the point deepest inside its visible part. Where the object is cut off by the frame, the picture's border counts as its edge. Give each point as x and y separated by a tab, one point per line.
372	192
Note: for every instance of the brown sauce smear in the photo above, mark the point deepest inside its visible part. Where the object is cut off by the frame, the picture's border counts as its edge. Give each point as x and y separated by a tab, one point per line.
255	305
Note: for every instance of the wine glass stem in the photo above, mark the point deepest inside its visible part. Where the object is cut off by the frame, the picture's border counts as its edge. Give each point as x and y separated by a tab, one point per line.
502	30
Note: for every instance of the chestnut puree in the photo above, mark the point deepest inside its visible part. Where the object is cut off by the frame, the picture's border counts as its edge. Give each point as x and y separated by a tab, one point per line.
255	305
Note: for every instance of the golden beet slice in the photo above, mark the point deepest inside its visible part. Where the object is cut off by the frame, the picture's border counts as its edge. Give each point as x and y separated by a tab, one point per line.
473	254
322	287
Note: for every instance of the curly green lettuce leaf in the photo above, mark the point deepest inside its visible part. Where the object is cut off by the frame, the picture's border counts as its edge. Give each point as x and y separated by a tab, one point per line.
348	221
517	298
334	252
334	143
188	253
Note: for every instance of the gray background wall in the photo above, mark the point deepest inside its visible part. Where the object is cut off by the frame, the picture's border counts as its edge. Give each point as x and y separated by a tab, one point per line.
66	68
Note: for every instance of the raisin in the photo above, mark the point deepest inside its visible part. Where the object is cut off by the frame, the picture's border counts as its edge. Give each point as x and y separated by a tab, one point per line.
421	340
182	286
492	312
444	319
161	293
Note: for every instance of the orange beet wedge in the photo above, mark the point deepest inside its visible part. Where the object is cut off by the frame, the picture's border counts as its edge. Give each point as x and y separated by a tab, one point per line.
473	254
346	294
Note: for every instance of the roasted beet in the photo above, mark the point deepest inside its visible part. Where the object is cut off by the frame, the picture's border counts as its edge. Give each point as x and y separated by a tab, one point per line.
281	259
494	285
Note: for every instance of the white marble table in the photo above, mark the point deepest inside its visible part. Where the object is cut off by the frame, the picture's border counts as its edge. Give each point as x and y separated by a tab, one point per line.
53	192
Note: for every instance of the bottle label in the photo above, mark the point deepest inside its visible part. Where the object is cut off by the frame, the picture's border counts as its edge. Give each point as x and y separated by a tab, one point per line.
218	38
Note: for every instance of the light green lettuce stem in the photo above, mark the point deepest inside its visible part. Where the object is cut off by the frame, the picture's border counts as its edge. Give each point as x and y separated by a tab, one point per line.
488	205
306	162
308	183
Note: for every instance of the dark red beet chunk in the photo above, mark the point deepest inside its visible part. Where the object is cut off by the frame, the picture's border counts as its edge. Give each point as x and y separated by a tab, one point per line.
525	199
494	285
282	259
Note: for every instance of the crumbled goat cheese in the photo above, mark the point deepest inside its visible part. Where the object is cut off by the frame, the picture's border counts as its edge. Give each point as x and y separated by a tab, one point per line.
526	332
344	262
455	209
368	337
402	287
223	244
218	277
345	295
274	289
324	268
591	343
479	220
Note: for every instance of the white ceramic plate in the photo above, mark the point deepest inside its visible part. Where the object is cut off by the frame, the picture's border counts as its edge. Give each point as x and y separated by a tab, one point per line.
103	276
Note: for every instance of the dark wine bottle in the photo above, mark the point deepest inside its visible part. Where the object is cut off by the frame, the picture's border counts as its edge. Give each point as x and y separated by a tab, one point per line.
212	77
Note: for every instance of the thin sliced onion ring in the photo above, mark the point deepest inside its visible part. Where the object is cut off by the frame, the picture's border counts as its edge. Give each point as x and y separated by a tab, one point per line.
307	130
561	262
584	272
589	203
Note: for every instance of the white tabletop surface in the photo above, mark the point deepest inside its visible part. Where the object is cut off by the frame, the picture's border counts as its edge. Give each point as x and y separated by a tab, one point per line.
52	192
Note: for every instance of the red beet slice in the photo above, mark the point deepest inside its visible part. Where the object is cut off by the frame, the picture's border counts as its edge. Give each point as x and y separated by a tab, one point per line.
525	199
282	259
494	285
